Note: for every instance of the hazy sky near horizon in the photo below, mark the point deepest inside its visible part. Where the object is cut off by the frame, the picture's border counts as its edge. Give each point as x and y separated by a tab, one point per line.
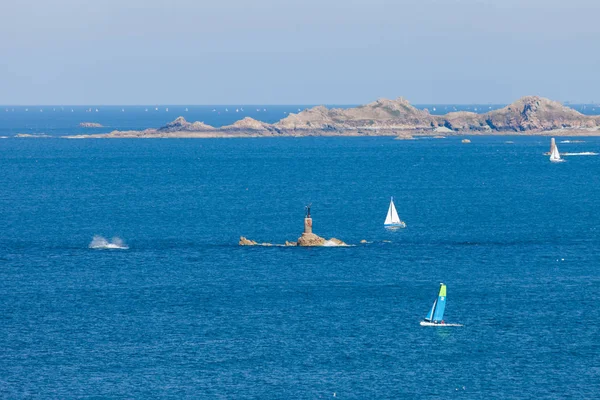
297	52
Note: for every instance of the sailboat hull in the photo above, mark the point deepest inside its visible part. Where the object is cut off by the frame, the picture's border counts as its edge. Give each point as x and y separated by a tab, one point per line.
425	323
397	225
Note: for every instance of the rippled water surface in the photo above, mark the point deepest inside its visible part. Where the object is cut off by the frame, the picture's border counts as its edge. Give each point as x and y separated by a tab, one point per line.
185	312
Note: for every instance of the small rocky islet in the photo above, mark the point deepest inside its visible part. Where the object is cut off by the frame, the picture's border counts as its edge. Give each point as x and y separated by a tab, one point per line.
307	239
530	115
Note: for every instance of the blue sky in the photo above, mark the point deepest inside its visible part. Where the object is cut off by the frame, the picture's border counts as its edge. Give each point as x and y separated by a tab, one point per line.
297	52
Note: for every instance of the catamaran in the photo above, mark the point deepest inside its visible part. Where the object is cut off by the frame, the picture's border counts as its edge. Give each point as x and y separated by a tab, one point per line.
392	220
554	154
435	317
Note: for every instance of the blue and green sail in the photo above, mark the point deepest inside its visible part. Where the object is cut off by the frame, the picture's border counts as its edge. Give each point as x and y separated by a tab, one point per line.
436	314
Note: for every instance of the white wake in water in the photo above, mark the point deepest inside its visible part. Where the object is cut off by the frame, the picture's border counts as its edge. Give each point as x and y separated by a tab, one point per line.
332	243
585	153
99	242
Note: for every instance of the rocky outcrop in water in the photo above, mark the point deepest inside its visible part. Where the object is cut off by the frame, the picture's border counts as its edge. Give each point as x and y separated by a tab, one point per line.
247	124
310	239
528	115
181	125
246	242
306	240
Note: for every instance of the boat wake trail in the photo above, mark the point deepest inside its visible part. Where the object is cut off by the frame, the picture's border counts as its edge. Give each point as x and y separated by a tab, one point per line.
99	242
585	153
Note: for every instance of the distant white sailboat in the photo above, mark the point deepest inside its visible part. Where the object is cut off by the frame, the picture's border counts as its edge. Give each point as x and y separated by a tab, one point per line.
186	109
554	154
392	220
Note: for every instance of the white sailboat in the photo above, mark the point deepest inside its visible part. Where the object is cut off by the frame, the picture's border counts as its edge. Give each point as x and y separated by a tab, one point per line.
554	154
392	220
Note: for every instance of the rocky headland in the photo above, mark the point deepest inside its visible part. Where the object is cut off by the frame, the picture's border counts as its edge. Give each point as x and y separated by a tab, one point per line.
530	115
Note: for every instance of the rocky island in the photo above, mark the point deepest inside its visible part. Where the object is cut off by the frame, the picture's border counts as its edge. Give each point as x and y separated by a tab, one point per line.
307	239
530	115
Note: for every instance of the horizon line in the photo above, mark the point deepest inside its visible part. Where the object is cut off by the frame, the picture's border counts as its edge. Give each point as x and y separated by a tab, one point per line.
268	105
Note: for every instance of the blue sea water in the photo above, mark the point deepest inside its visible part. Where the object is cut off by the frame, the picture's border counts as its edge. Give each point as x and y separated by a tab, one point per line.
65	120
185	312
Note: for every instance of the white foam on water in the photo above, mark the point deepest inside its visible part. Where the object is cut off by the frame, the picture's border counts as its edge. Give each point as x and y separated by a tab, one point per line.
99	242
585	153
424	323
331	243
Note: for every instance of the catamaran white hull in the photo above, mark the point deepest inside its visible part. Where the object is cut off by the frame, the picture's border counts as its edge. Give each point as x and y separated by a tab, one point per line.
425	323
557	161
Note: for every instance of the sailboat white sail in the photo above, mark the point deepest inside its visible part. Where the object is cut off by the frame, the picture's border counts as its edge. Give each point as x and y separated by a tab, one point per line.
392	219
554	154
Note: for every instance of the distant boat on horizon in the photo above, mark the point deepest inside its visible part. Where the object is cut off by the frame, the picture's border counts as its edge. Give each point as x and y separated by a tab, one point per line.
392	220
